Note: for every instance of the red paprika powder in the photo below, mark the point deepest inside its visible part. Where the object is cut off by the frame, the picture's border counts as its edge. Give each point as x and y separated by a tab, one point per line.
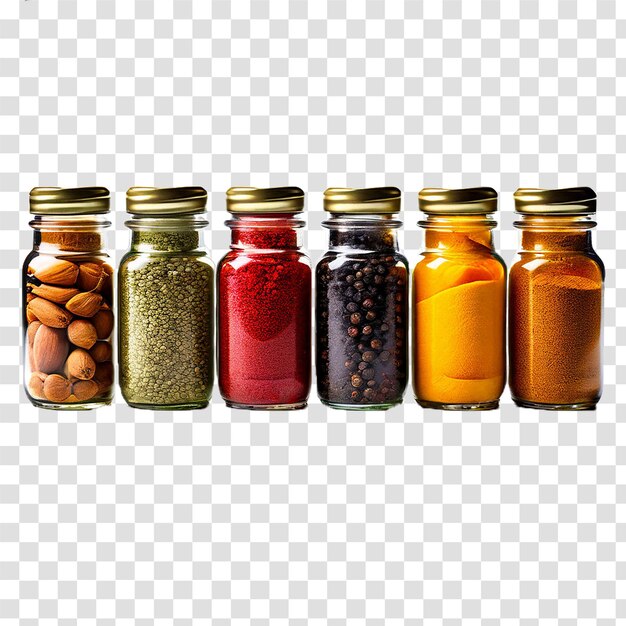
264	302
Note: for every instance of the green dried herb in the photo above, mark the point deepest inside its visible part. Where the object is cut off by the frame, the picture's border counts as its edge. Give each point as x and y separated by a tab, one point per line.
166	323
168	241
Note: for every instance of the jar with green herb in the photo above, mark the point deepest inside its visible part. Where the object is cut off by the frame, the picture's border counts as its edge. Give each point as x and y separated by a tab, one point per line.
166	301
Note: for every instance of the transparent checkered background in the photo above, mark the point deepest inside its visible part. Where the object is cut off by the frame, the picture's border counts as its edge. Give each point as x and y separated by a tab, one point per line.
313	517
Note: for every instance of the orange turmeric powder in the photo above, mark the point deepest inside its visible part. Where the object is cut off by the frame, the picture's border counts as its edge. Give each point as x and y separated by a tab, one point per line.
459	292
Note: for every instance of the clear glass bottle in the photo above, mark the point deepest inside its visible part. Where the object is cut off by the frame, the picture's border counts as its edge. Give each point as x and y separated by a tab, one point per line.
459	294
166	301
555	302
68	300
264	302
362	302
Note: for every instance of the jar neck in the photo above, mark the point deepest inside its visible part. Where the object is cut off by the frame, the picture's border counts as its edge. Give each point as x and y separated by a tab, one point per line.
462	233
167	234
75	233
267	231
563	233
363	232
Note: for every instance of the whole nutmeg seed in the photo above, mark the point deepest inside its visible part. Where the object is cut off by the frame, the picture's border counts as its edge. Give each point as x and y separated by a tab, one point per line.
50	348
104	375
107	285
101	352
103	321
32	330
85	389
85	304
82	334
56	388
30	336
91	276
80	365
35	385
60	295
55	271
49	313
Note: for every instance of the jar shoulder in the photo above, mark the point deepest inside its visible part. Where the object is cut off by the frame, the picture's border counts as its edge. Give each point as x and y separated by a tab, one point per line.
587	264
236	259
336	259
431	262
27	261
37	259
135	260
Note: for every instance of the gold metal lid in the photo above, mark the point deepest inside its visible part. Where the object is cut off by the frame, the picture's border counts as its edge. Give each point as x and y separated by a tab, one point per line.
366	201
70	201
568	201
265	200
469	201
166	201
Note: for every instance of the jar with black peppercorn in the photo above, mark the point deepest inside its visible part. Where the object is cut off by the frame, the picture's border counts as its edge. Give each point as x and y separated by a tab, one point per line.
264	302
166	301
362	302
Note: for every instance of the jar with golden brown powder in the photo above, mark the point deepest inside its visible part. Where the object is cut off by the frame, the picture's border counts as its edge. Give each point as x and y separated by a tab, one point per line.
555	302
68	300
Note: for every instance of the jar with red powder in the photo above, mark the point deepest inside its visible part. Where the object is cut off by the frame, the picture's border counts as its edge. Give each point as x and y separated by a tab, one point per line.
264	302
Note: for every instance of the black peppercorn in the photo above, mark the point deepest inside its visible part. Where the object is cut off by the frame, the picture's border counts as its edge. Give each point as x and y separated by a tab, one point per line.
368	374
369	356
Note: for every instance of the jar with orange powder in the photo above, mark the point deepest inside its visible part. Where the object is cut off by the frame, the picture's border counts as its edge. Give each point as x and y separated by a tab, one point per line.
555	302
459	299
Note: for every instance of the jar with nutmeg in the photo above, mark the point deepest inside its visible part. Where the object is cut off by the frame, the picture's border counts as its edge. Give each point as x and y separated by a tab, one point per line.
68	300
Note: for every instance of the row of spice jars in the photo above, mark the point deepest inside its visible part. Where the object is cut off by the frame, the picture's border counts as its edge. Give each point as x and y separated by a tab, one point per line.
166	301
459	302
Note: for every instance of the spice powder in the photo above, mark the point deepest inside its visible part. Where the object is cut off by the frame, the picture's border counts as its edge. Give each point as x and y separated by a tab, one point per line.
556	329
265	320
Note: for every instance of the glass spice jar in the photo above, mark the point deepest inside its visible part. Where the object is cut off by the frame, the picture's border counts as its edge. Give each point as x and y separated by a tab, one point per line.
362	302
459	293
555	302
68	300
264	302
166	301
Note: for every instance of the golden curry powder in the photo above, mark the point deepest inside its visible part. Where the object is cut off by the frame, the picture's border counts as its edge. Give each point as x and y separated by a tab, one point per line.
459	299
459	307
